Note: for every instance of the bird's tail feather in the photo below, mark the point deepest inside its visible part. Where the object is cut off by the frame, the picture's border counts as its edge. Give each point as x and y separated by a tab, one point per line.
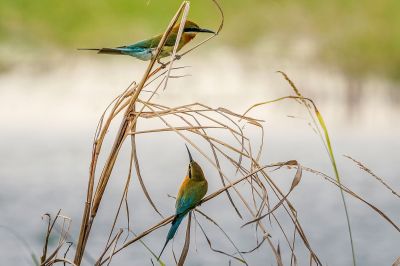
88	49
103	50
166	242
174	226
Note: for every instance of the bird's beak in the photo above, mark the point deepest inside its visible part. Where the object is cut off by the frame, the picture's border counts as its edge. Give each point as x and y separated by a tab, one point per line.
190	156
206	30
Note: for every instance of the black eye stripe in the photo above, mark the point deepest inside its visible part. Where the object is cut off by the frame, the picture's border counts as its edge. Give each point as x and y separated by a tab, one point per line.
191	30
190	171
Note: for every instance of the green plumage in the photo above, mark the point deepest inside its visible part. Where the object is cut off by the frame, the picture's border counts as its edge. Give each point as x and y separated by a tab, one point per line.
144	50
193	189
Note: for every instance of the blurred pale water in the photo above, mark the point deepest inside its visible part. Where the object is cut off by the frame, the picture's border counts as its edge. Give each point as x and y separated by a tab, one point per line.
48	117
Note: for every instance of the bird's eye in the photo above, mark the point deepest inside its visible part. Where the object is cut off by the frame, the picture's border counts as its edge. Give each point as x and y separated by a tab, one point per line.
190	171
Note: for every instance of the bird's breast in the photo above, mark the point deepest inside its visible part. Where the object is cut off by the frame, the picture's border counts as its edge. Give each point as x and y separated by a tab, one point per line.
187	37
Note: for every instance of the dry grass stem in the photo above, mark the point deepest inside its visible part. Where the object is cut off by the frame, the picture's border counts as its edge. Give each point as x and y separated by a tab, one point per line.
380	180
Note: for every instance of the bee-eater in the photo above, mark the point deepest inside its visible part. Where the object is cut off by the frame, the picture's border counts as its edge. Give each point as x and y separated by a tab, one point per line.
192	190
144	50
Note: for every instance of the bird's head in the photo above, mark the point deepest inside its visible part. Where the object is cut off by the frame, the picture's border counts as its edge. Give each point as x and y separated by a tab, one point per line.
193	28
194	172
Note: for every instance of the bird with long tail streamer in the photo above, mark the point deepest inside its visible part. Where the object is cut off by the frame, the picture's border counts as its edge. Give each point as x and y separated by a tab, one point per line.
144	50
193	189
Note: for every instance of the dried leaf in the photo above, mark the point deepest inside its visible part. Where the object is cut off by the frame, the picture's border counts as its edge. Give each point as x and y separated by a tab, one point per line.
139	175
297	177
295	182
278	256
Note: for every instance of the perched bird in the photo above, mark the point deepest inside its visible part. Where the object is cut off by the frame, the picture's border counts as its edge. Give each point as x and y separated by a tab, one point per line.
192	190
144	50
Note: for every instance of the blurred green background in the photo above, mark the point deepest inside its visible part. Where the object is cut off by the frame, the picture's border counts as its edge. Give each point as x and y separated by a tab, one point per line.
358	37
344	54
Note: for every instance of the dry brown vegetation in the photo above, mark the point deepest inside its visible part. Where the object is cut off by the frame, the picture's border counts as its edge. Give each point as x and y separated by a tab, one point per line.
196	119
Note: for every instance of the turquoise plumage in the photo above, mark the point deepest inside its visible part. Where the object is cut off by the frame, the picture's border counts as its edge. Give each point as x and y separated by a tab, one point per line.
145	49
192	190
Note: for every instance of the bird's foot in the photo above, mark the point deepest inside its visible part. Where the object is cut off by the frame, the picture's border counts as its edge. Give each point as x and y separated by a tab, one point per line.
161	63
178	57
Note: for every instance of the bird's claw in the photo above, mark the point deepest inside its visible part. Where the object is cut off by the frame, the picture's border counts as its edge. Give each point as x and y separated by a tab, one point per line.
177	57
161	63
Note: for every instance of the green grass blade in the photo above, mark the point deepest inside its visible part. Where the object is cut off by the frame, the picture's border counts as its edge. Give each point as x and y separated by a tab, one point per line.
328	146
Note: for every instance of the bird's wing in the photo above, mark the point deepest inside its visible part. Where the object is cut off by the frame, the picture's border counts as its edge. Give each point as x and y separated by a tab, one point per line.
171	39
184	200
184	204
148	43
152	42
